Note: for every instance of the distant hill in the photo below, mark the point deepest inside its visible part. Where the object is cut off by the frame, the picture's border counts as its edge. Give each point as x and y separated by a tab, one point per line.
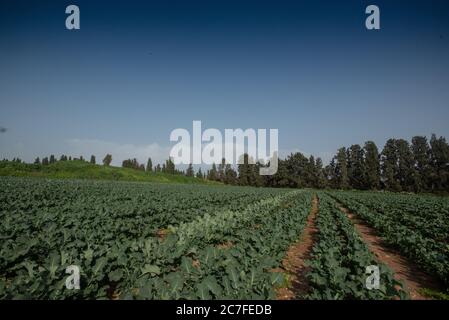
76	169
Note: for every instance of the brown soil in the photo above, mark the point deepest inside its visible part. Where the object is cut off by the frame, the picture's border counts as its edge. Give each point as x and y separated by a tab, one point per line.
196	264
405	270
294	262
162	233
225	245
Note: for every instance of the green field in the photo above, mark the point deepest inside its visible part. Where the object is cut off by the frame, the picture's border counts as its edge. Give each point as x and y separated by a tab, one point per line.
139	240
77	169
417	225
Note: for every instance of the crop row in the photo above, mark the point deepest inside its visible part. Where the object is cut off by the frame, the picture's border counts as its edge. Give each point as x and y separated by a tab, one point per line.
219	252
340	259
419	230
228	256
159	204
39	216
428	215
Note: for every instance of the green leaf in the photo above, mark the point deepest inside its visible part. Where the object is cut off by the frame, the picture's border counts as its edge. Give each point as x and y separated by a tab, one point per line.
233	275
88	255
203	292
277	278
151	269
53	265
175	281
211	283
29	266
115	275
99	265
187	264
145	292
252	276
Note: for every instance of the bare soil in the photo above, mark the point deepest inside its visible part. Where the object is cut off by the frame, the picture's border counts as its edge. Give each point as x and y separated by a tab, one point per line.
294	261
225	245
405	270
162	233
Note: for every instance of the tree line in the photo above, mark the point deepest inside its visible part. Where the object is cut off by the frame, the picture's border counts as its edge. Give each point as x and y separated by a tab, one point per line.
416	166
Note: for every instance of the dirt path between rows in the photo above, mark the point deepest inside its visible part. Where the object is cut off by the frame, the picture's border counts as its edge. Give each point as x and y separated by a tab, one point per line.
405	270
293	263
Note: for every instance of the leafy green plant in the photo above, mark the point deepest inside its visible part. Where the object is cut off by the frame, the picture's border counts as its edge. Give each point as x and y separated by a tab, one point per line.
340	258
417	225
111	231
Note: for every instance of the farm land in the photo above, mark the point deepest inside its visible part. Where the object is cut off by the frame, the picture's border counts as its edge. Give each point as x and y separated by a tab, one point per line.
141	240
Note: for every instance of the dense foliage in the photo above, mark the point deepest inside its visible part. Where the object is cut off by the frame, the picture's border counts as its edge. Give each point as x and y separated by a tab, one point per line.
113	232
340	258
164	241
417	225
78	169
419	166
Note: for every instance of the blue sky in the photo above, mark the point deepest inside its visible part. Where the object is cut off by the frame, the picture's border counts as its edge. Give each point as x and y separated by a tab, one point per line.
137	70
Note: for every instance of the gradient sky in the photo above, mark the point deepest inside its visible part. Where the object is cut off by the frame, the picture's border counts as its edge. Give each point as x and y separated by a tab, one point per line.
139	69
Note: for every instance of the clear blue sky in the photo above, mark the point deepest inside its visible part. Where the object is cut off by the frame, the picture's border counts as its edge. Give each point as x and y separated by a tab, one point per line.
139	69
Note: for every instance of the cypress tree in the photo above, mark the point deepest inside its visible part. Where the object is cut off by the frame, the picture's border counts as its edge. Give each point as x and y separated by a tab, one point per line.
189	171
342	169
149	165
390	170
372	166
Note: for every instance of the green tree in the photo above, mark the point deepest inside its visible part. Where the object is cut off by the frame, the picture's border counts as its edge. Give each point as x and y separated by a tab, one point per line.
149	165
372	166
390	169
342	169
282	177
221	170
170	166
321	181
356	167
189	171
166	167
212	174
133	164
247	175
230	175
298	167
92	159
52	159
422	158
256	179
330	171
310	174
107	160
440	163
406	174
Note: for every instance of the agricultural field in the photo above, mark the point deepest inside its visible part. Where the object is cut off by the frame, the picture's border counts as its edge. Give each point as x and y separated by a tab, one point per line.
143	240
417	225
340	257
135	240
